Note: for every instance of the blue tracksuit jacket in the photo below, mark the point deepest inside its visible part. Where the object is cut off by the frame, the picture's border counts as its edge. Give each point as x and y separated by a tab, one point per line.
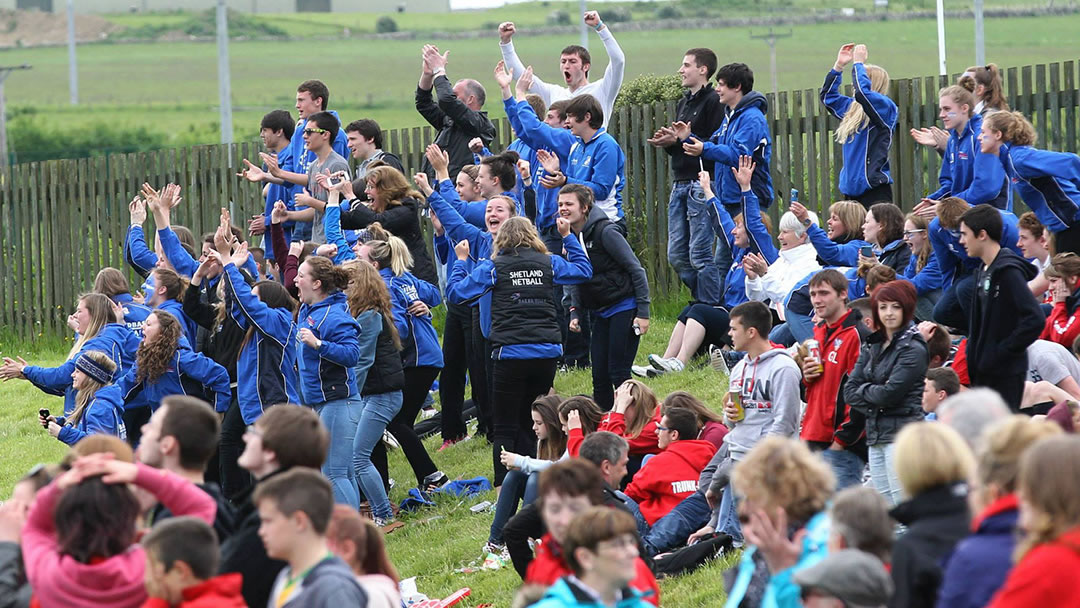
969	174
419	340
744	132
328	373
833	253
134	314
760	242
866	154
1049	183
189	373
104	415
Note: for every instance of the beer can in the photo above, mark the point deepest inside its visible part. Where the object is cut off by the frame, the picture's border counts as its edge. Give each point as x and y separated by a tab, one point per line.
736	400
814	352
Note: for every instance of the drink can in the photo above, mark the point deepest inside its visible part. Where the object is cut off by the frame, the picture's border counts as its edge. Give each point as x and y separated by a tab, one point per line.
736	400
813	349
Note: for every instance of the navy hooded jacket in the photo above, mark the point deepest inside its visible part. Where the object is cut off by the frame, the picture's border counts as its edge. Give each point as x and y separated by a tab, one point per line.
328	373
103	415
866	154
744	132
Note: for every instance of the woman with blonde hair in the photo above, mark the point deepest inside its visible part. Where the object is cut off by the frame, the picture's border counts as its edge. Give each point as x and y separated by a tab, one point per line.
923	269
978	566
634	418
784	490
840	245
1049	182
112	283
985	82
1046	556
933	464
97	411
525	336
97	328
867	121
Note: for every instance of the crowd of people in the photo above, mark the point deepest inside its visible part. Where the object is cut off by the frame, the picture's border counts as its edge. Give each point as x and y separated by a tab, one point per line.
902	389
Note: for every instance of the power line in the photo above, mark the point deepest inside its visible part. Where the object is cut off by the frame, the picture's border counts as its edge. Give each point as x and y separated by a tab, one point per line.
770	39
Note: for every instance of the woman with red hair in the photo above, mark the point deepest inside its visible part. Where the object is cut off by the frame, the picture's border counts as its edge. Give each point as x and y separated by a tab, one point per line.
887	382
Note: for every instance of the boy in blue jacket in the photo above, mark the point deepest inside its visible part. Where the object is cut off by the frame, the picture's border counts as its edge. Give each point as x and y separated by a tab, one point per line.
276	131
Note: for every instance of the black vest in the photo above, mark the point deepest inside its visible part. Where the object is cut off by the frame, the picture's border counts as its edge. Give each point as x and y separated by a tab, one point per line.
610	283
386	373
522	305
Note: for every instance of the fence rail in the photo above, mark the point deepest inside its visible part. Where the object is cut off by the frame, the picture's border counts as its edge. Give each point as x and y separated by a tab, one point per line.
61	221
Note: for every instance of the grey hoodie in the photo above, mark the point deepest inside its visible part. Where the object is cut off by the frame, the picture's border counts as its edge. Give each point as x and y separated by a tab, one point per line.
769	386
330	584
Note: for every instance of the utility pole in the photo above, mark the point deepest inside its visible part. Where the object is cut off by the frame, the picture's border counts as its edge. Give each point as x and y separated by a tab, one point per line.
980	46
224	87
5	160
584	28
941	37
73	68
771	39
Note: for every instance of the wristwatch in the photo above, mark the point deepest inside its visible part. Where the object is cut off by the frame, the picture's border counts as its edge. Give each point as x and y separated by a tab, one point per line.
438	71
807	222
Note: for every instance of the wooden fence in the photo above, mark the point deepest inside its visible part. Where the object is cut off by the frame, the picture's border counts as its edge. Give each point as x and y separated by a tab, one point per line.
61	221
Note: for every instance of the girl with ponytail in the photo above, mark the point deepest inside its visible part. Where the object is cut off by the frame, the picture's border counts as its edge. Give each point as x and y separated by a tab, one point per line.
867	121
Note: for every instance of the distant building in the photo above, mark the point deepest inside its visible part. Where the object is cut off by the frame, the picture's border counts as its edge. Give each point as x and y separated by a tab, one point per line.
247	6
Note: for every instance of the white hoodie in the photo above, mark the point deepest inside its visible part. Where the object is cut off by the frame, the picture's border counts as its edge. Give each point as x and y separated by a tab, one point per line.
791	267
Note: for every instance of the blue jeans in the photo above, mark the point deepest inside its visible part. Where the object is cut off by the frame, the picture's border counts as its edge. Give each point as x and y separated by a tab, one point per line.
377	412
516	485
728	523
635	510
883	473
672	530
846	466
924	306
690	242
952	309
340	417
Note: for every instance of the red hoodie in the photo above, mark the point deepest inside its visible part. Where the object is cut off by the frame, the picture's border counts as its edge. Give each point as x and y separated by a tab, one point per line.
218	592
1062	326
644	443
549	566
828	417
1043	577
669	477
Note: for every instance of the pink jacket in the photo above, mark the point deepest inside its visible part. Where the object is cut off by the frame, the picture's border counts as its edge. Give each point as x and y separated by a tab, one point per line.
117	582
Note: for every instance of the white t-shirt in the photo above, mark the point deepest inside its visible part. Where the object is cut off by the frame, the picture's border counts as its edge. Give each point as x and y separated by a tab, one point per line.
1052	362
604	90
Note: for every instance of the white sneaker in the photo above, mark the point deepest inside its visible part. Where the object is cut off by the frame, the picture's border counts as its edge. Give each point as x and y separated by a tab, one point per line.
644	371
716	360
427	412
671	364
390	441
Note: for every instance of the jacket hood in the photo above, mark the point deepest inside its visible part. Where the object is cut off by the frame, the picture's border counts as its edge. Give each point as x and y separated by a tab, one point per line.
1007	258
107	583
935	502
596	214
694	452
1072	301
338	297
331	568
751	99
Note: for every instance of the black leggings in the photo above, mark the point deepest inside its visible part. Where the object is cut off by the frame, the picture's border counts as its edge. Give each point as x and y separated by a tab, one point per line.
1067	241
614	346
234	479
458	358
517	383
417	383
877	194
714	319
480	375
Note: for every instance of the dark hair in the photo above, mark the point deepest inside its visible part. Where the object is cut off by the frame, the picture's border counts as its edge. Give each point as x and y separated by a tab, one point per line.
863	306
601	446
902	292
704	57
584	195
939	344
184	539
555	444
537	104
186	237
300	489
590	413
327	122
984	218
95	519
833	278
279	120
592	527
370	556
316	89
333	278
1029	222
573	477
682	421
295	435
737	75
368	129
195	426
581	52
274	295
754	314
892	221
503	167
559	107
944	379
174	284
586	104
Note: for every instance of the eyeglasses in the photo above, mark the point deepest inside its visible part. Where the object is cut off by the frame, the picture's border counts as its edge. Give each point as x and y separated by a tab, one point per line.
662	428
910	233
310	130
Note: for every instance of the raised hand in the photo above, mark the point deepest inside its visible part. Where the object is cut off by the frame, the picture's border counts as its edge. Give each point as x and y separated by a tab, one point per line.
503	77
327	250
525	171
434	59
170	196
563	225
524	84
476	145
137	210
798	211
240	255
573	420
223	241
257	225
440	161
506	31
422	183
680	129
153	197
461	250
549	161
745	172
252	173
844	56
859	54
280	213
592	18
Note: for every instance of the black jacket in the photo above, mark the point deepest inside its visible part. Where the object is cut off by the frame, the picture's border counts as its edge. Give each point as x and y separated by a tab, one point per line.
1004	318
224	519
220	341
387	373
456	123
402	221
617	272
936	520
15	592
705	113
887	383
244	552
896	255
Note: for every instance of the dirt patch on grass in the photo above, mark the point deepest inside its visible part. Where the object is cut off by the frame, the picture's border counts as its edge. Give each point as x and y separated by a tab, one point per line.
36	28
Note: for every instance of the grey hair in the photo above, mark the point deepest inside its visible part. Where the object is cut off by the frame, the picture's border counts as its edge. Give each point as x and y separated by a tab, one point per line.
603	445
971	412
790	223
474	88
860	516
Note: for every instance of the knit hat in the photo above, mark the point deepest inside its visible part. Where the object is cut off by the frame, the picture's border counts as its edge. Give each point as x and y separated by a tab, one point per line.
852	576
90	367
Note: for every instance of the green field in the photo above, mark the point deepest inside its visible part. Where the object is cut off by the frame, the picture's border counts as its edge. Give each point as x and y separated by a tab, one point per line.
172	86
456	533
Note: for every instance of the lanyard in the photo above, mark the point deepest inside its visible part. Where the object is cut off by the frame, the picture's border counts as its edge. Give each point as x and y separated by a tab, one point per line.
290	583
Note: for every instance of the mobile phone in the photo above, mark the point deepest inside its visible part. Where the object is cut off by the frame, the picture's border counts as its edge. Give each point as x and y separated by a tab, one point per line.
866	251
43	412
335	180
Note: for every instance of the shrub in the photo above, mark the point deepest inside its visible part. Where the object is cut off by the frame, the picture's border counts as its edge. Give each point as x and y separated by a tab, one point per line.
616	14
668	11
649	88
385	25
32	140
558	18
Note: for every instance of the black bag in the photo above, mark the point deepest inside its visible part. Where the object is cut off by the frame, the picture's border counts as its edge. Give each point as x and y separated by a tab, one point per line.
688	559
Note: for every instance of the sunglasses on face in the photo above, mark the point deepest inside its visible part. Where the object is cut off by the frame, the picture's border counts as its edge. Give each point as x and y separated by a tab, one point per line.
310	130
